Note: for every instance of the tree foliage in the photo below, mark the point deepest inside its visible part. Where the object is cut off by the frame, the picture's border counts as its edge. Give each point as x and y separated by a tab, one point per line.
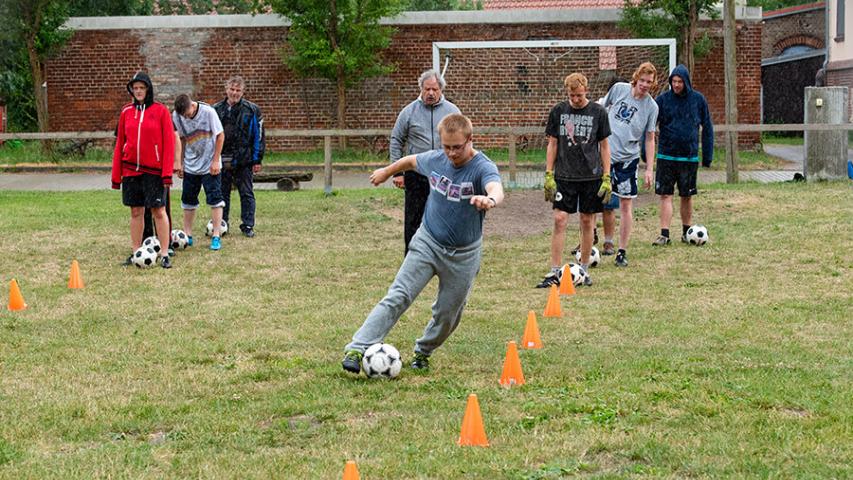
339	40
677	19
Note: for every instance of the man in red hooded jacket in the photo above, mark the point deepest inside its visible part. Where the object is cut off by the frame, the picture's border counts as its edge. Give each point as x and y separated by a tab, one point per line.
143	161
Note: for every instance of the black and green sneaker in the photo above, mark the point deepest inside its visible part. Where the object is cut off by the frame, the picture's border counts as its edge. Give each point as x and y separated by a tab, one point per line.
352	361
420	361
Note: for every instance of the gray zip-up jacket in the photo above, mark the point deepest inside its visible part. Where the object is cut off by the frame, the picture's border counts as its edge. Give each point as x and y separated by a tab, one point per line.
417	127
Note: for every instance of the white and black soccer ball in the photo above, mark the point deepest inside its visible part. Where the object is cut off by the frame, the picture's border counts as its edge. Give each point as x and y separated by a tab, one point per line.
144	257
697	235
152	243
594	257
578	273
179	239
223	228
381	360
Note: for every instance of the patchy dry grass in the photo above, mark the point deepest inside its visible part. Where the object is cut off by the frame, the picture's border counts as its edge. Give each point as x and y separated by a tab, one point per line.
729	360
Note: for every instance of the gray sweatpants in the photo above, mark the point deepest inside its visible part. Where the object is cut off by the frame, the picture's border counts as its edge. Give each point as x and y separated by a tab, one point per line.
455	268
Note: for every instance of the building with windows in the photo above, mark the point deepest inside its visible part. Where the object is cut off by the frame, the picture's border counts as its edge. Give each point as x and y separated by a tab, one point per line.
839	61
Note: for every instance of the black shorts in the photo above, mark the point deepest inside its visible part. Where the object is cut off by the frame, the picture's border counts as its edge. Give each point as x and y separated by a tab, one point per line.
670	172
580	197
145	190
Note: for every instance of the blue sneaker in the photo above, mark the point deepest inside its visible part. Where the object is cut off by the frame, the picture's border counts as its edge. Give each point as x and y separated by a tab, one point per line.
189	240
215	243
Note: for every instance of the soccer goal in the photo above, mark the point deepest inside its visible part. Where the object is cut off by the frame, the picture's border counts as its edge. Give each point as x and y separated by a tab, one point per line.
515	83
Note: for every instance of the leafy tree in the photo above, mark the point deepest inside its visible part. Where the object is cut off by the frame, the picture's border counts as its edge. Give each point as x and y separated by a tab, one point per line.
668	19
339	40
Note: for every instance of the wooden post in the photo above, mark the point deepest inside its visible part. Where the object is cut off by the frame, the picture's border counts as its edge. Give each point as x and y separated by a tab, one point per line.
730	54
512	166
327	164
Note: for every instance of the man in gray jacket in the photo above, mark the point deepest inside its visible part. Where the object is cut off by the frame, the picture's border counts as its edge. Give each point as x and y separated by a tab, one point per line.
417	129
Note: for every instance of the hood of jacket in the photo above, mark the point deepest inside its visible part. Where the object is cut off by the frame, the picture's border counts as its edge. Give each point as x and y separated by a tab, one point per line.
149	95
681	71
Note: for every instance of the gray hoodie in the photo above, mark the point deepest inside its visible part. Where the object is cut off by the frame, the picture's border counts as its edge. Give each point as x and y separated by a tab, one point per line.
417	127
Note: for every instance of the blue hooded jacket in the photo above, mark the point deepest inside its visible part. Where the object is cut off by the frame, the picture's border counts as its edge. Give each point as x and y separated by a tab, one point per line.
680	117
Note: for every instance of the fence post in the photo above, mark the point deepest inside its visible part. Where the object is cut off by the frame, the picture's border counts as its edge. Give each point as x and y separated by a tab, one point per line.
512	166
327	164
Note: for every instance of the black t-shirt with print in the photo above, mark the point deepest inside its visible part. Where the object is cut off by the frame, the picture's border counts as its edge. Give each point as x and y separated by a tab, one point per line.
578	132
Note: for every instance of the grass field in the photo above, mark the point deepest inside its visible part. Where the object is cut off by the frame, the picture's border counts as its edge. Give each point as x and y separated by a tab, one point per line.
732	360
19	153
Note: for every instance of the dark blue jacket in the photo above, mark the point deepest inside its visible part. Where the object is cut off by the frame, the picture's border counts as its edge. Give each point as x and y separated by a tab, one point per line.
680	117
243	125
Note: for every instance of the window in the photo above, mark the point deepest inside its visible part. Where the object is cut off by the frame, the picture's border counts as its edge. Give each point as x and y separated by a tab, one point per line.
839	20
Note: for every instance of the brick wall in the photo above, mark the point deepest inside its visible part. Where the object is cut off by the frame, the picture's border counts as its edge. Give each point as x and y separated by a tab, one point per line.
86	81
802	27
840	74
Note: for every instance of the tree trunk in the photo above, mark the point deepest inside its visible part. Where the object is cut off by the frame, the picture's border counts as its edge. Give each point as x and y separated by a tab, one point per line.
690	35
342	105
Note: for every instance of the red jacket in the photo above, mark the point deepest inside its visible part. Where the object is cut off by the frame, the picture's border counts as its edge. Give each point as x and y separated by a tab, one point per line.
145	143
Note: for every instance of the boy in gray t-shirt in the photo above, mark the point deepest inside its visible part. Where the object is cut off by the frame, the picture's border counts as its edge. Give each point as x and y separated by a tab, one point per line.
199	162
633	114
464	184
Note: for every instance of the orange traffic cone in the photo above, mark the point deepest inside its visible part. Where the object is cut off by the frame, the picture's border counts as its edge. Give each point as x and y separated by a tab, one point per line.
567	286
351	471
531	332
512	374
75	280
552	308
16	300
473	433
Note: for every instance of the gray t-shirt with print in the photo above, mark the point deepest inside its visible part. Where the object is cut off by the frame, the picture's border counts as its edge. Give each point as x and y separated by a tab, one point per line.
449	217
199	136
630	119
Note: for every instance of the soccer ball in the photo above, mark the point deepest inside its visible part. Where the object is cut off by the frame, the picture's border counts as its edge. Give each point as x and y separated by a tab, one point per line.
381	360
594	257
697	235
223	229
152	243
144	257
179	239
578	274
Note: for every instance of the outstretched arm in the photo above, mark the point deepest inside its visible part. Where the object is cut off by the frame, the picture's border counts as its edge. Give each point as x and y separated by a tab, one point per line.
379	175
493	197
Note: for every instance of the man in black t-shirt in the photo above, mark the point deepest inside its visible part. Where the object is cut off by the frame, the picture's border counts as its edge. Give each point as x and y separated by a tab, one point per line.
577	164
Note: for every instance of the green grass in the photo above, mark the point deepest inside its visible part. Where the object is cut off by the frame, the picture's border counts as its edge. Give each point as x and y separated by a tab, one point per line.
729	360
18	153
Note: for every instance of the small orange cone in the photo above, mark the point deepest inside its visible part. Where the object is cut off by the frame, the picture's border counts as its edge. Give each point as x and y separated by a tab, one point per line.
531	339
512	374
552	308
351	471
16	300
567	286
473	433
75	280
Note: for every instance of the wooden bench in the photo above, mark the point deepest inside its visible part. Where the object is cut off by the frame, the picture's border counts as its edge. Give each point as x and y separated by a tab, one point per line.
284	181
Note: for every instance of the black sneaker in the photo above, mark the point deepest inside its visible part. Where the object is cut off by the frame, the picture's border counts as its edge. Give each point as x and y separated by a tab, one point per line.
608	249
420	362
621	259
587	280
352	361
127	261
166	262
553	278
594	241
249	232
661	241
684	239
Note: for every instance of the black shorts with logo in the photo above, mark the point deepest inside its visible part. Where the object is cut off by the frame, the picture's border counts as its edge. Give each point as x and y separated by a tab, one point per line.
580	196
670	172
145	190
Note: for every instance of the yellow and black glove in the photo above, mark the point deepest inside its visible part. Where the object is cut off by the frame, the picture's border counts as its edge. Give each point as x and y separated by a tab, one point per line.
550	187
605	190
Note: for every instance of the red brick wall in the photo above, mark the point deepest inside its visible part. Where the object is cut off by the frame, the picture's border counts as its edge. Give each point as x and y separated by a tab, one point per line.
86	82
803	28
840	74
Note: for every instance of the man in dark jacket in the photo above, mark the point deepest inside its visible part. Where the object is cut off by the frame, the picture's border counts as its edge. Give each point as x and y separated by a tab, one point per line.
243	150
681	112
417	129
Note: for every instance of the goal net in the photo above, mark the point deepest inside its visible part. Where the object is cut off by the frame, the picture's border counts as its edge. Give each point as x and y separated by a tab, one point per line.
516	83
